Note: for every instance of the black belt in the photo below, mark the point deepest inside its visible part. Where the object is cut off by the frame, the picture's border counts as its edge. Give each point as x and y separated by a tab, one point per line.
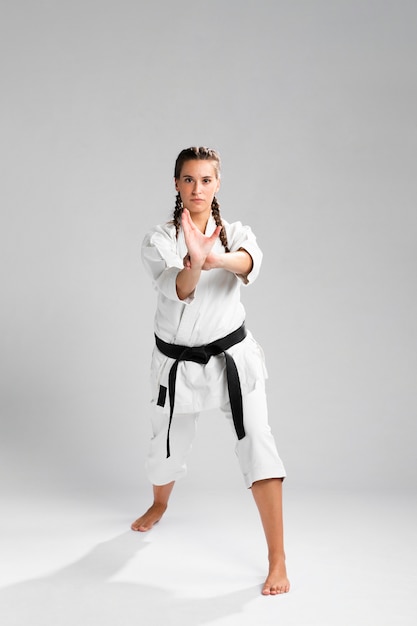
202	354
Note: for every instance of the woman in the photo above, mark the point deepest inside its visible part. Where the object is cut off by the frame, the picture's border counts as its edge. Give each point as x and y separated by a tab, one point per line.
204	357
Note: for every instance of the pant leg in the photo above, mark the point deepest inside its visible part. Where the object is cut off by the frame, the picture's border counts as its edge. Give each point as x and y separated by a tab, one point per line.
257	452
159	469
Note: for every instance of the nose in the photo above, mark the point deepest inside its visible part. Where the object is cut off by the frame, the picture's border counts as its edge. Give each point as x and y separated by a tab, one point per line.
196	187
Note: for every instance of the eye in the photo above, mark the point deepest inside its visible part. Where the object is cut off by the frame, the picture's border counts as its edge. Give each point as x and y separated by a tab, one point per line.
187	179
206	180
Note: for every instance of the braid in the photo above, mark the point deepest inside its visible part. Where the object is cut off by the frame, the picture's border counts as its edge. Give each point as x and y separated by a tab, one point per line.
176	217
215	209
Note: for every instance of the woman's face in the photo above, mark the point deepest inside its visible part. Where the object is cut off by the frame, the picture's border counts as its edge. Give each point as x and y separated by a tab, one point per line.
197	185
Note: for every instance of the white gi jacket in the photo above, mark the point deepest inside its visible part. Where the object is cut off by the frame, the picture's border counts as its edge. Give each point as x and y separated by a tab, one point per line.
211	312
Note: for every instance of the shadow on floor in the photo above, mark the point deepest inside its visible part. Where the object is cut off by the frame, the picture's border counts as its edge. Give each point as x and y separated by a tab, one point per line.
82	593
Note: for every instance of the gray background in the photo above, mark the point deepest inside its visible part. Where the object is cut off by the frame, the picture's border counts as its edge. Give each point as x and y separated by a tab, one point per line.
312	105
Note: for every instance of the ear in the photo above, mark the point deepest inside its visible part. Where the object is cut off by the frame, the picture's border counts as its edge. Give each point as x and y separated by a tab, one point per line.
218	185
176	184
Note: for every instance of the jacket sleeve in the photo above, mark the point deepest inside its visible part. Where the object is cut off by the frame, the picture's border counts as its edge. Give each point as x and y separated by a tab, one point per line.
240	236
161	260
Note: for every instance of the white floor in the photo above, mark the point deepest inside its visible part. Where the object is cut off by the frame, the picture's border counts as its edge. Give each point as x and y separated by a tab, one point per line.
351	560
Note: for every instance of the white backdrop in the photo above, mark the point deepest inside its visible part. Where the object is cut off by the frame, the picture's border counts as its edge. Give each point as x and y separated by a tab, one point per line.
312	107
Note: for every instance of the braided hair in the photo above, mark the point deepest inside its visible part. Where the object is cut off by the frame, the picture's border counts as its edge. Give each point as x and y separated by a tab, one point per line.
194	154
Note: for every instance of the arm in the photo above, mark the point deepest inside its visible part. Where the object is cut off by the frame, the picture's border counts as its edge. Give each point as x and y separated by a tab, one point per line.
187	280
200	257
239	262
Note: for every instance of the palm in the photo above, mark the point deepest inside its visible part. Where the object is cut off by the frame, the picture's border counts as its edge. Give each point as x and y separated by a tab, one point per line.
198	245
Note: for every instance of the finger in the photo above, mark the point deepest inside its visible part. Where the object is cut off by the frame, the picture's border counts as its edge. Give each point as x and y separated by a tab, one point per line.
216	233
186	220
186	215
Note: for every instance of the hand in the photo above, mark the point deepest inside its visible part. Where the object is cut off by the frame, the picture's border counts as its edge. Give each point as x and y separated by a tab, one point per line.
187	261
198	245
210	263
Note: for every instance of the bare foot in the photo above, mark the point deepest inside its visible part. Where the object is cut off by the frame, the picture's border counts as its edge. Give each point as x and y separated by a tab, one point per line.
151	517
277	581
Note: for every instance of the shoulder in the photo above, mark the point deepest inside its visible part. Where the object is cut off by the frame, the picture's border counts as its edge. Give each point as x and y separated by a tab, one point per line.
237	232
160	234
236	227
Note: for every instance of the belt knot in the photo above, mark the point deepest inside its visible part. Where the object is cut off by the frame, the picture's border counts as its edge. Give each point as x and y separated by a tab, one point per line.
197	354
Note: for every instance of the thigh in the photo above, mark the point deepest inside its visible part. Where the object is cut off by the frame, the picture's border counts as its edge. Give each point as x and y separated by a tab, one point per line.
160	468
257	451
255	410
183	425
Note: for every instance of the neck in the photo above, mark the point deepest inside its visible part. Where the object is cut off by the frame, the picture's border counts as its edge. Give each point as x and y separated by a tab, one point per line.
201	221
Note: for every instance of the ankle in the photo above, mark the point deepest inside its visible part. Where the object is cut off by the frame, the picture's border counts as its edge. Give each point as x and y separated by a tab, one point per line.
160	505
276	556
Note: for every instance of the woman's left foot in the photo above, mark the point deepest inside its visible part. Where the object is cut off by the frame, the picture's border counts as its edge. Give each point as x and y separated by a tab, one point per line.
277	581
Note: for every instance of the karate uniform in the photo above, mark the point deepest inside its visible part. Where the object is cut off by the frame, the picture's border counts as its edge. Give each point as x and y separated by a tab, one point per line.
212	311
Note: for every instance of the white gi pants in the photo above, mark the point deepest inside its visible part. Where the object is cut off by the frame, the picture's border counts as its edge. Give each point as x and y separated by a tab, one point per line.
257	453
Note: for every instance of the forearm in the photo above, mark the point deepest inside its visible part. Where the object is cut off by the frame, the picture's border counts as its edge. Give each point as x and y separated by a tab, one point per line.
239	262
187	280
